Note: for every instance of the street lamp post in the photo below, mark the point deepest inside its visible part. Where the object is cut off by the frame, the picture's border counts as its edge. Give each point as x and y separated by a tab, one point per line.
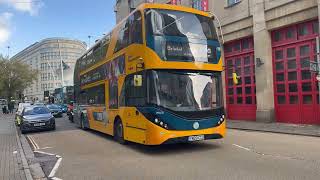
8	47
89	37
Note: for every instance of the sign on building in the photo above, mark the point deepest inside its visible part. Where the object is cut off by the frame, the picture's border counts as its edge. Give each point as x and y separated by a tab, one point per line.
202	5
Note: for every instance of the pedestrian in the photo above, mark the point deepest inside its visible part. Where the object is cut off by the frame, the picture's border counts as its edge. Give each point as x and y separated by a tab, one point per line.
4	109
10	107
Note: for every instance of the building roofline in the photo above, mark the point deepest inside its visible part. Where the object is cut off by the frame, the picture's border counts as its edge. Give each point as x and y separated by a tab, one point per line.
37	44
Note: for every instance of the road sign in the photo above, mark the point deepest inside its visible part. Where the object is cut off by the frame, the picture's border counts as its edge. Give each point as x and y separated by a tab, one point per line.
314	66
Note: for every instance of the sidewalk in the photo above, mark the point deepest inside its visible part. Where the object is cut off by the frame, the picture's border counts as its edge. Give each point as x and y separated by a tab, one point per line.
11	167
306	130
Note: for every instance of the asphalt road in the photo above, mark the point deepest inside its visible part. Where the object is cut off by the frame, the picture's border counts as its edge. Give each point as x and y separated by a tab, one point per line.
241	155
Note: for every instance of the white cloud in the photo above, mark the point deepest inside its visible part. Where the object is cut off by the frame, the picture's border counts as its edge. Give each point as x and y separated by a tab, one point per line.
30	6
5	27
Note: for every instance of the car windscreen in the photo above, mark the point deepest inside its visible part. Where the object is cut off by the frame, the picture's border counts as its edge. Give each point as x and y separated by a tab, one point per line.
35	110
53	107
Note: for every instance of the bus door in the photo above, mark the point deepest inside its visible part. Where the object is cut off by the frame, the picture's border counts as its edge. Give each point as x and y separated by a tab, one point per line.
133	95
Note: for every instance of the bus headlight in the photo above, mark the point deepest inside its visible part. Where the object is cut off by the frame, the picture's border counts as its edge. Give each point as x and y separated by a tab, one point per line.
221	119
160	123
156	120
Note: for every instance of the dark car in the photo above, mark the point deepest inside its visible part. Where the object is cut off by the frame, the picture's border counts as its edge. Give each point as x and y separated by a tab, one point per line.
64	108
55	110
36	118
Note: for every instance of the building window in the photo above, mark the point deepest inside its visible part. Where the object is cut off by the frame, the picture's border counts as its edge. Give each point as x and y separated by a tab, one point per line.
233	2
202	5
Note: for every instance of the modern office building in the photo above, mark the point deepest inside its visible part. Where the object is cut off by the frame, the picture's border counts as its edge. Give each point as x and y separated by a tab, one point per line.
124	7
270	44
49	56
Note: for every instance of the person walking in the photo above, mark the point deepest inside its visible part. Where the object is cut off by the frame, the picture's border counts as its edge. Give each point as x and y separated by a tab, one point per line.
4	109
10	106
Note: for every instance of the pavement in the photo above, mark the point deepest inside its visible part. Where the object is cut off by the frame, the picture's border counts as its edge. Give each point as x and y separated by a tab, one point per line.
11	165
294	129
247	155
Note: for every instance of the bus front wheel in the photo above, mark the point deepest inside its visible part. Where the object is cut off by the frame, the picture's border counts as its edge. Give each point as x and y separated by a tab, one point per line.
118	132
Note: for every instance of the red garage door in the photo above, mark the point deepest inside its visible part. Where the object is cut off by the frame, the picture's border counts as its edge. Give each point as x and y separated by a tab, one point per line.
241	98
295	87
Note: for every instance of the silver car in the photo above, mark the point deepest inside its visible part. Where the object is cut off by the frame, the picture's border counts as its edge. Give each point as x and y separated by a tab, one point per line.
37	118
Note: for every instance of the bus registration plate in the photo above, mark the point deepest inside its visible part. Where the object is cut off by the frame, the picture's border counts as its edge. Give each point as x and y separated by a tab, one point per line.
196	138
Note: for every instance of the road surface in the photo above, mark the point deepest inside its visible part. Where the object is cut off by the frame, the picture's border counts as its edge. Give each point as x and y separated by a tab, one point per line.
241	155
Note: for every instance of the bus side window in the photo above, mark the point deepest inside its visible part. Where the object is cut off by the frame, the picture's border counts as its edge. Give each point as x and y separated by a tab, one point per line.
135	26
123	36
113	93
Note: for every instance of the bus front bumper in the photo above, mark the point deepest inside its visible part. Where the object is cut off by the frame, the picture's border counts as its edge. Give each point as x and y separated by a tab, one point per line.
157	135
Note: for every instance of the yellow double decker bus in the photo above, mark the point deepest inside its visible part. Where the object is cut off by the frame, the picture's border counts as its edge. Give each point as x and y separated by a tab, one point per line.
155	79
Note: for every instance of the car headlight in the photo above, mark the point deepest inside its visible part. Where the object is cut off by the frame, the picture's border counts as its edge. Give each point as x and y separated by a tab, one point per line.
24	121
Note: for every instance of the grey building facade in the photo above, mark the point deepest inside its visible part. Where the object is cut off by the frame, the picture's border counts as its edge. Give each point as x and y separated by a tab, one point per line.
46	57
270	44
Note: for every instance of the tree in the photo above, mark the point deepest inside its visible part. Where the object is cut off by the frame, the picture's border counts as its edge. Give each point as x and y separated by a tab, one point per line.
15	77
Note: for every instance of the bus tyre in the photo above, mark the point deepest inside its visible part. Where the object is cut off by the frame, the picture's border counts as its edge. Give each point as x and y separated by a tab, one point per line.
118	132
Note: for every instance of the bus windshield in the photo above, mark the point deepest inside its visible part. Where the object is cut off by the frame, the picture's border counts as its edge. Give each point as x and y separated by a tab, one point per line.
182	36
177	23
185	91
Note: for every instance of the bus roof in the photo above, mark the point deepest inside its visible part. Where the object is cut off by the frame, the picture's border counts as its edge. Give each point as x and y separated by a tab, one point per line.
171	7
143	7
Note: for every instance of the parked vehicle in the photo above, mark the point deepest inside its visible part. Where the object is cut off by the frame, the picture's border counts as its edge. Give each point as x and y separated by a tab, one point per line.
39	104
55	110
18	115
64	108
36	118
28	101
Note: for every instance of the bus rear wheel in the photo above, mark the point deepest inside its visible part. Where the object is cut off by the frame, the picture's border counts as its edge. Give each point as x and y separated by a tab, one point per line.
118	132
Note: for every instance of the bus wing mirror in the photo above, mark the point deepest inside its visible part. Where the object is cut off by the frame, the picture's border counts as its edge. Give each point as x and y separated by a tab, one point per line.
214	17
235	78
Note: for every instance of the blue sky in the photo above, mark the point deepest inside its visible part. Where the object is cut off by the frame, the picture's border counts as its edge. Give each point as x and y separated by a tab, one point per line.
23	22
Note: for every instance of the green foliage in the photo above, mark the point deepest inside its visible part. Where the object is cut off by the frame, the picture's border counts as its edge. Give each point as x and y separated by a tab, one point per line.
15	77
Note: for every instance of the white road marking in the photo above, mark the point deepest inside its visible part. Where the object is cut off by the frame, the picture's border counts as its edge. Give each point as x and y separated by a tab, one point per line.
45	148
45	153
241	147
37	147
32	143
55	168
55	178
